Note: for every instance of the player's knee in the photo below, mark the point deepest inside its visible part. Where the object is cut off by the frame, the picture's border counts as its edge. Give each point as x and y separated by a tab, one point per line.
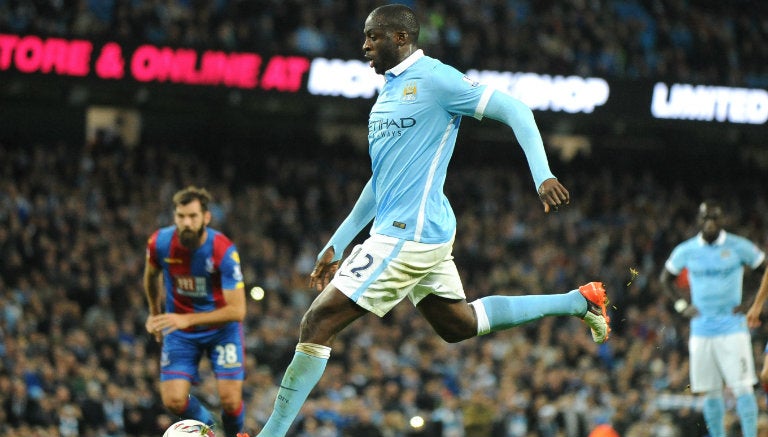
316	327
175	404
230	402
451	338
308	324
455	333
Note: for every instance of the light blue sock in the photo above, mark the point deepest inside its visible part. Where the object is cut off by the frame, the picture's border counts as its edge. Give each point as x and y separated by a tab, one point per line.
299	379
714	411
196	410
746	406
503	312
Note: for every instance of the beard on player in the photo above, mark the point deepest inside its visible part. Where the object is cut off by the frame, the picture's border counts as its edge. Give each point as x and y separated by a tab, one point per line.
190	238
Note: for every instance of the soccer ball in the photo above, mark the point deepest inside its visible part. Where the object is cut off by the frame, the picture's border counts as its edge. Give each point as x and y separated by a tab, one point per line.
189	428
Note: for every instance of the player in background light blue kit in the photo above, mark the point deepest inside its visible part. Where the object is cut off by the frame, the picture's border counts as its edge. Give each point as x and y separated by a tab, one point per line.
412	131
720	347
753	321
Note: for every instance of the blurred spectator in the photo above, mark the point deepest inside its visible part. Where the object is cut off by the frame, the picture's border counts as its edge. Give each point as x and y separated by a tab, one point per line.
62	353
694	42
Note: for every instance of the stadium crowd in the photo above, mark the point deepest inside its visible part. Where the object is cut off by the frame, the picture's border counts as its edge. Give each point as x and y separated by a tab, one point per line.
702	41
75	359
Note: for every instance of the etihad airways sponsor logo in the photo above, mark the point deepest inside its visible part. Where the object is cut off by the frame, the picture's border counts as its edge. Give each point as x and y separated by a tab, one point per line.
389	127
710	103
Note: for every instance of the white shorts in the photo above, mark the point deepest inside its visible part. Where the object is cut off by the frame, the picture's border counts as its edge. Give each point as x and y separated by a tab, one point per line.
382	271
722	359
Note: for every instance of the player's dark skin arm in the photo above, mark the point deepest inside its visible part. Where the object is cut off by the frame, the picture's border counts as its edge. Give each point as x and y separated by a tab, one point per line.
753	314
667	280
667	284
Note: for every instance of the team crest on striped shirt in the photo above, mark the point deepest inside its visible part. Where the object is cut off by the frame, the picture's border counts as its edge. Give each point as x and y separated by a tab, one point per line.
409	92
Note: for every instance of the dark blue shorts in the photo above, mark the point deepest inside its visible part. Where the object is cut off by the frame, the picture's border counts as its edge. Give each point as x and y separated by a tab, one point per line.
224	347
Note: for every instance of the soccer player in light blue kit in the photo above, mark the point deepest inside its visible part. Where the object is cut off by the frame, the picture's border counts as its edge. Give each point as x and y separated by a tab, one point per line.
753	321
412	130
720	347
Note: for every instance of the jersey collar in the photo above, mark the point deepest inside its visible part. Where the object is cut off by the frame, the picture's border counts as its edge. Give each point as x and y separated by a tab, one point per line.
398	69
718	241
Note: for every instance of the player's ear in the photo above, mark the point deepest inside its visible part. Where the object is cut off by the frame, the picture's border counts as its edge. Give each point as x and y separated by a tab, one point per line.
207	218
402	38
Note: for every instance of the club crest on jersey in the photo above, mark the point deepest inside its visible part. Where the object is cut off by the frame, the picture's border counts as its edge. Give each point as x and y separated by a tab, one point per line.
410	91
725	253
209	265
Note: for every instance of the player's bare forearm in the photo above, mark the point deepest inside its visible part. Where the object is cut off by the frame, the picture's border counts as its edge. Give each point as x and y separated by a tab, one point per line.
681	306
152	289
153	300
233	311
753	314
665	279
152	292
762	291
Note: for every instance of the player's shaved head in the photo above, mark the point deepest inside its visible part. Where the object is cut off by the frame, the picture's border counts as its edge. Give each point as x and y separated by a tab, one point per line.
398	18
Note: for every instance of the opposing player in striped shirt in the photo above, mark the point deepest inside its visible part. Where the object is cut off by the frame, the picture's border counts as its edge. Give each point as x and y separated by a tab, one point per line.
199	269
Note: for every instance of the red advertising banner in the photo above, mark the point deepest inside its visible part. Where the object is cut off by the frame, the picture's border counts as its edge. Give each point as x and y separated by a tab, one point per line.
148	63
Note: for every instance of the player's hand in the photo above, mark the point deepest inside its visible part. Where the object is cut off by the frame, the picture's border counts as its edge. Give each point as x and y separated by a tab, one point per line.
324	270
167	322
553	195
753	317
690	312
149	326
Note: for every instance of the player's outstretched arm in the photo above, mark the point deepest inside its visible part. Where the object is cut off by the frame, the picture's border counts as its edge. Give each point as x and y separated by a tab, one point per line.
330	256
515	114
362	214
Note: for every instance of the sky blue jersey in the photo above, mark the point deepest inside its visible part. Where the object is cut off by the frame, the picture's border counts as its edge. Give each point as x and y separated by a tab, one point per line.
715	275
412	132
